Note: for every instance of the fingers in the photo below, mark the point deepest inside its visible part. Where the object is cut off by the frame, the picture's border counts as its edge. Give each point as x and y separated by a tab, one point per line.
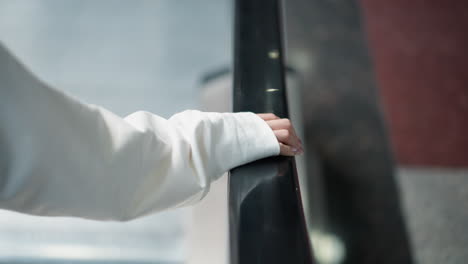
290	144
268	116
286	150
284	136
283	123
288	134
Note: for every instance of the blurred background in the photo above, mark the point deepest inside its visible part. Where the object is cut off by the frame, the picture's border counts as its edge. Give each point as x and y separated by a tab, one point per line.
380	91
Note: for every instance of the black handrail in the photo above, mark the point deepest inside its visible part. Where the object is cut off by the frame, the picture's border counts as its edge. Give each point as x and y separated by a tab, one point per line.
267	223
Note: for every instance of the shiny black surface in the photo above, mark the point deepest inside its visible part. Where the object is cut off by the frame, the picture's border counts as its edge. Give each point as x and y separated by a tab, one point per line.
266	218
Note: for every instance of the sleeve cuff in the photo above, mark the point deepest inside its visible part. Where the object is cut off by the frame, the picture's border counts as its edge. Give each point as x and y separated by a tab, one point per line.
257	138
222	141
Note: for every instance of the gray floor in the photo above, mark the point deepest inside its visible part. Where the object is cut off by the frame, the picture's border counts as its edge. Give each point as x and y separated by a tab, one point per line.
436	208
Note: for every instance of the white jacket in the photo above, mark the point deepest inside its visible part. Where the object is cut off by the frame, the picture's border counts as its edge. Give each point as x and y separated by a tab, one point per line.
61	157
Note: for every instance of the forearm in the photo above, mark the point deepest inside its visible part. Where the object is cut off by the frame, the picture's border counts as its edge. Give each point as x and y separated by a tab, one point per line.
63	157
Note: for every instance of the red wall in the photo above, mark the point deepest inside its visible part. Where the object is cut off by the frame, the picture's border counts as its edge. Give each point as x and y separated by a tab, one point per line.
420	50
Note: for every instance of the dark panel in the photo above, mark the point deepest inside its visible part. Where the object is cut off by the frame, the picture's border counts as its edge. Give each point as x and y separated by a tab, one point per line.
421	61
344	125
266	219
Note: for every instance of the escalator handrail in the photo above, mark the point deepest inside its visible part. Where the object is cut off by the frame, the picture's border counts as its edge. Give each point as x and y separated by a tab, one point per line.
266	217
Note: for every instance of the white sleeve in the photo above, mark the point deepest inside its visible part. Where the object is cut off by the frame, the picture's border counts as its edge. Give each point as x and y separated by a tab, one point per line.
61	157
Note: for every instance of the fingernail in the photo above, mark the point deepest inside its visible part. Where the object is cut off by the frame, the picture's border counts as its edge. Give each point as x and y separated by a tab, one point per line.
301	151
297	151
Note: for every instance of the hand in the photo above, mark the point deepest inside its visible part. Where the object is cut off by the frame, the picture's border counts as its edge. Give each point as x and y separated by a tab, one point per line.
290	144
